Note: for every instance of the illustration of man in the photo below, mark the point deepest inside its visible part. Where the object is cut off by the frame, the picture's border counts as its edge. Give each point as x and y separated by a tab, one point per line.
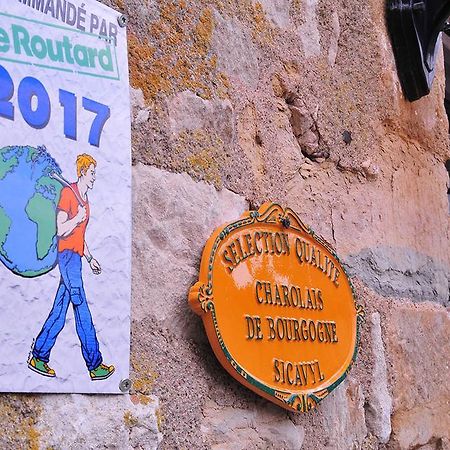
72	219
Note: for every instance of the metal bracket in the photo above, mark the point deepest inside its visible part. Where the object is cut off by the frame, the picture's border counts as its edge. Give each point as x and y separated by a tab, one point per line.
414	27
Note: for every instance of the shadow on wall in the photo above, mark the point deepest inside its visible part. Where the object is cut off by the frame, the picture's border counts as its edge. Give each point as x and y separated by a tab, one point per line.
401	273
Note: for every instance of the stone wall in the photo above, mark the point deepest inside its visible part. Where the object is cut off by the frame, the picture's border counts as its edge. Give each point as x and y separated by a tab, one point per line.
236	102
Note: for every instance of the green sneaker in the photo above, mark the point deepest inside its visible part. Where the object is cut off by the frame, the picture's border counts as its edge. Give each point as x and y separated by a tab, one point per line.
41	367
102	372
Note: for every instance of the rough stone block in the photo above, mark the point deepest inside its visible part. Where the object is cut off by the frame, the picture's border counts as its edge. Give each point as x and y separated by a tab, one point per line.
309	32
379	404
343	417
229	428
419	345
174	216
277	11
190	112
238	56
81	422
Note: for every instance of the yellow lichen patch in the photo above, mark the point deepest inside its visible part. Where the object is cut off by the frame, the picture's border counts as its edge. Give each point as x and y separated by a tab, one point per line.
159	419
144	384
177	54
144	381
18	416
33	435
145	399
130	420
204	164
222	91
277	85
206	154
250	13
120	4
262	29
141	59
203	32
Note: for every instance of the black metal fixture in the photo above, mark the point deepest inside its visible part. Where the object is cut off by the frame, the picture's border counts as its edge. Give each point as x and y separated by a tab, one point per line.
414	27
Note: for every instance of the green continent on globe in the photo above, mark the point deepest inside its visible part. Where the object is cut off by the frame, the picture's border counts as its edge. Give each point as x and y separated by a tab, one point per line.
31	153
7	166
41	210
29	197
51	187
5	225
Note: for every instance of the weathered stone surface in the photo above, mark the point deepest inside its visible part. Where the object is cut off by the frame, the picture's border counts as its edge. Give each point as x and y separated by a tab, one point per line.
380	199
18	416
304	127
139	112
137	100
237	54
189	112
436	444
255	428
418	346
82	422
302	120
174	216
339	420
394	249
334	39
401	272
379	404
346	430
242	51
277	11
309	31
250	141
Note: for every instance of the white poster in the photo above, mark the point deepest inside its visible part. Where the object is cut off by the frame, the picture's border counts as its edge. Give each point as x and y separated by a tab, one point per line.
65	197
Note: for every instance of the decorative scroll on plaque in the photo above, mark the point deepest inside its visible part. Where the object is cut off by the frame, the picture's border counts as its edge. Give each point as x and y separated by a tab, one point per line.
278	307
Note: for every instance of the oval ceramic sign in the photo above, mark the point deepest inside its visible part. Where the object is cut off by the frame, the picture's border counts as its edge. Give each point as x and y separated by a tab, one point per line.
278	307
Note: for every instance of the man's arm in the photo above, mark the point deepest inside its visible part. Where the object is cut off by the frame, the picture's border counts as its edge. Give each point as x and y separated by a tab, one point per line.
87	253
65	226
95	266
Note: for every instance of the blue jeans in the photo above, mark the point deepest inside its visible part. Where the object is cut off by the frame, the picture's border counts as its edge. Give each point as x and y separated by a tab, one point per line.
70	290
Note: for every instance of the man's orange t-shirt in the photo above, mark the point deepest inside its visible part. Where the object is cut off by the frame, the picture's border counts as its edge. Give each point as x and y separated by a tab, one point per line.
69	204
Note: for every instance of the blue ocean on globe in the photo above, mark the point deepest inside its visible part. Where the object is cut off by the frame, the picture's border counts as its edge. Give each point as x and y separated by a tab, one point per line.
29	196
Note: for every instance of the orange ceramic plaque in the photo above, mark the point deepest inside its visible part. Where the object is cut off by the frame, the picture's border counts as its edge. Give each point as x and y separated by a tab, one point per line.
278	308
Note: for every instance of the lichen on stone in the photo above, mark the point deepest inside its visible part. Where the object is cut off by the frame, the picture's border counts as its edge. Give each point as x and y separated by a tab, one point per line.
206	154
176	55
144	378
262	29
159	419
18	416
129	419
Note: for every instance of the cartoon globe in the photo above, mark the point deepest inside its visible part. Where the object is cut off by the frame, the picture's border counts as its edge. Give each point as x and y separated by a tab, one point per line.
29	195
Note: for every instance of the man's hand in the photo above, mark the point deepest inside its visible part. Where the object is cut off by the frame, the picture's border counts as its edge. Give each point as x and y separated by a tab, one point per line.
95	267
81	214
